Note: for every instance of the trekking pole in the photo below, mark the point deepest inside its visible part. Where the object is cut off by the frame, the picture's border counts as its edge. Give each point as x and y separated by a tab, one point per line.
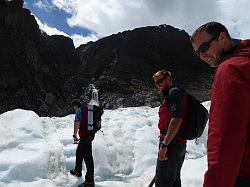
152	182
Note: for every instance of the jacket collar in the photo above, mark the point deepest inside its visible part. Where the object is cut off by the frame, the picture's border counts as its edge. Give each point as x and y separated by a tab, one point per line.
236	43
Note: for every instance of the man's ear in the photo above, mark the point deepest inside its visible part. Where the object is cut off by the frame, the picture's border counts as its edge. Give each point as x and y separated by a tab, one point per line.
222	36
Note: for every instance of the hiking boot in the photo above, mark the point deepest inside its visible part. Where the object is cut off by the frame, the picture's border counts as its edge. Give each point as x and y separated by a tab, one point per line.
87	184
73	172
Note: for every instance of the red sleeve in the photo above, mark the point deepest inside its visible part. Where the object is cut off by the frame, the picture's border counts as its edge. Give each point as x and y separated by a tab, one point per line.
228	120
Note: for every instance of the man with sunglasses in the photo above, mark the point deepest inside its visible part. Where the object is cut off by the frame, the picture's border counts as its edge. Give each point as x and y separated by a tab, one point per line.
229	119
172	118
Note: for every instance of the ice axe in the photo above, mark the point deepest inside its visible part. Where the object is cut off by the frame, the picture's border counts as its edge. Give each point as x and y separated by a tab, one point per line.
152	182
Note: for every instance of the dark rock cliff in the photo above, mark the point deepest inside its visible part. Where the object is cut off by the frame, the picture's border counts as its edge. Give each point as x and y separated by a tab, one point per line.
123	65
43	73
36	70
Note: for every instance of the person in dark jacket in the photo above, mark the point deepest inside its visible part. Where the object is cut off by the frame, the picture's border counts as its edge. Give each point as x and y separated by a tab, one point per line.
172	118
84	148
229	119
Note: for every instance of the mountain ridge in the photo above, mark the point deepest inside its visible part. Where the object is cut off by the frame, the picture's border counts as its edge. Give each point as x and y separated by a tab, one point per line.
44	73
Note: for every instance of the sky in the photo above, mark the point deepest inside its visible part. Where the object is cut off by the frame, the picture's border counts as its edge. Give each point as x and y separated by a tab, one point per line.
90	20
39	151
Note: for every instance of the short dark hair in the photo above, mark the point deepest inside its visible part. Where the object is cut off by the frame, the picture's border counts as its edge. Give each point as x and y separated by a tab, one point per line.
75	102
213	28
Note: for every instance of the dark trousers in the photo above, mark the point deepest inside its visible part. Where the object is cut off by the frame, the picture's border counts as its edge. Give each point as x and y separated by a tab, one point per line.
168	171
84	152
242	181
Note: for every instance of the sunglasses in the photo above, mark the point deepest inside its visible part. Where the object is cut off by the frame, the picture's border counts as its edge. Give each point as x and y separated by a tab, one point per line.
159	81
204	46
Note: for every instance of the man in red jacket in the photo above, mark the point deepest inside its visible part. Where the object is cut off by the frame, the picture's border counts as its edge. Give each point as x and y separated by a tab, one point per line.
229	120
172	118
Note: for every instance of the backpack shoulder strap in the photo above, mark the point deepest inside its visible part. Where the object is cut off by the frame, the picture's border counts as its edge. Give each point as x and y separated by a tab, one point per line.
173	87
167	97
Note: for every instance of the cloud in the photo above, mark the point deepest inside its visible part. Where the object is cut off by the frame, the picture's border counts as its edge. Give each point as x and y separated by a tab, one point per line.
77	39
107	17
44	4
111	16
49	30
236	17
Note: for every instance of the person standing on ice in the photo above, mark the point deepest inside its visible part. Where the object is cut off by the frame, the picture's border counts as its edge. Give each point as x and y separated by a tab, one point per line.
228	144
172	118
86	136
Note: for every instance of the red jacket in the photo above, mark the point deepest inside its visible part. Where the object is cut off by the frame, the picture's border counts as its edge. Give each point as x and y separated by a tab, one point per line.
229	120
165	117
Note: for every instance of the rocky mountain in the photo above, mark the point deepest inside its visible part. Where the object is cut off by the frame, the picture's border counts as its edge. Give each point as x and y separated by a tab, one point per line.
37	71
123	64
43	73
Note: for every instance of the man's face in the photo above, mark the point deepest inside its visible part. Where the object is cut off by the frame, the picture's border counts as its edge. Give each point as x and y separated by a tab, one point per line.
162	82
209	49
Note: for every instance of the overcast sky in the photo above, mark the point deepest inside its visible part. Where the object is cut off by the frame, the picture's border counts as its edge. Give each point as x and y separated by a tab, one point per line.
86	20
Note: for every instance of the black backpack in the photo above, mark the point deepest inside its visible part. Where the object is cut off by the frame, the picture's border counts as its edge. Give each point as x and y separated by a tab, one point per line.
97	118
196	119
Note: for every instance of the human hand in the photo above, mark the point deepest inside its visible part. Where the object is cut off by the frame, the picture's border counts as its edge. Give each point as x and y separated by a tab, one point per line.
162	153
75	139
